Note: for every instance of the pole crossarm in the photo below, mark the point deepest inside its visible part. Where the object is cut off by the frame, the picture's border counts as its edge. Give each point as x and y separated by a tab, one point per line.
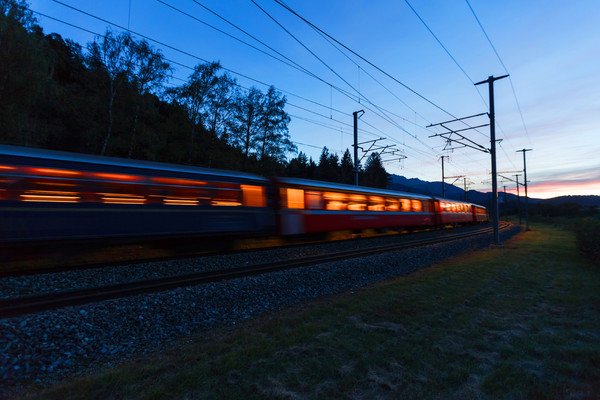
400	158
458	119
455	178
462	139
512	180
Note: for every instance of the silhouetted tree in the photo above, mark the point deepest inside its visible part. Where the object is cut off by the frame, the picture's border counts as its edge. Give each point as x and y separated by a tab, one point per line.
347	168
246	122
196	95
274	138
149	72
375	174
329	168
24	70
113	55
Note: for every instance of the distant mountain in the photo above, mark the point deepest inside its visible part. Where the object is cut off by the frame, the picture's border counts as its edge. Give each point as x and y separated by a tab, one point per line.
586	201
415	185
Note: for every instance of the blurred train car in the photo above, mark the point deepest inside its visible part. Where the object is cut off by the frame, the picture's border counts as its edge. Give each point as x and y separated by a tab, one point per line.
307	206
453	212
57	195
480	214
50	195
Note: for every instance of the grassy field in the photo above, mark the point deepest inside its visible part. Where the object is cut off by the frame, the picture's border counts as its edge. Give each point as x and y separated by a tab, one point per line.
521	322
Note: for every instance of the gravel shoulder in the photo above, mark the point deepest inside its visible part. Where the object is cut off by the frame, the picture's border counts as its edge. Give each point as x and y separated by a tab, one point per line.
47	347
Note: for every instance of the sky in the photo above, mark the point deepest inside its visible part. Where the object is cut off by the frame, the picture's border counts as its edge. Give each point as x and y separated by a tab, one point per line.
413	64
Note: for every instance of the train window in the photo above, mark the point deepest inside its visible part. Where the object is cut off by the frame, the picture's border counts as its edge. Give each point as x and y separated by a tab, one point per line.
376	203
227	197
335	201
416	205
357	202
314	200
254	196
392	204
405	203
295	198
122	198
181	201
426	206
50	196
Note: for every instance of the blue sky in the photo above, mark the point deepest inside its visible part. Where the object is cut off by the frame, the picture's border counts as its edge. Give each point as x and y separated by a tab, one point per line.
551	50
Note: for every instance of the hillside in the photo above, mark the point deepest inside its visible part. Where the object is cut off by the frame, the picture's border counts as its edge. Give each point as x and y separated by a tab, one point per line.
414	185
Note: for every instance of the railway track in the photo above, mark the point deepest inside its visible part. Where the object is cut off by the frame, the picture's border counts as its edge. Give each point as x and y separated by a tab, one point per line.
31	304
170	245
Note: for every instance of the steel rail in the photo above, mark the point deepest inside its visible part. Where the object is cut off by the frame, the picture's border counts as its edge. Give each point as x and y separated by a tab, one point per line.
30	304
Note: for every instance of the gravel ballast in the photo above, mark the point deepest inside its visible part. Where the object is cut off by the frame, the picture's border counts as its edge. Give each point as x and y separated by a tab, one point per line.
47	346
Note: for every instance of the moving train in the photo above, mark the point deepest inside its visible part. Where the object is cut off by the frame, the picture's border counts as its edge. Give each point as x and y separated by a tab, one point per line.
50	195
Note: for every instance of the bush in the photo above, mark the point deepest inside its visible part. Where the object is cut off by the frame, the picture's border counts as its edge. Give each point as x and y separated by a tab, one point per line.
587	234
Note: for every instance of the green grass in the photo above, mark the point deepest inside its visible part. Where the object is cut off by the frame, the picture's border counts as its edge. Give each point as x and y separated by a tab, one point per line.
521	322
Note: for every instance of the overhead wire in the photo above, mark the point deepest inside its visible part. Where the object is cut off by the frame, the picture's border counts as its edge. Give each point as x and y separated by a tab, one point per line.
385	117
192	68
196	57
505	69
285	6
364	59
201	59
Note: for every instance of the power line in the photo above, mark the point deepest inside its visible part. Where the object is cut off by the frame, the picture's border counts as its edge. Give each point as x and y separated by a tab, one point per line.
236	73
224	68
364	59
328	66
503	66
186	66
368	62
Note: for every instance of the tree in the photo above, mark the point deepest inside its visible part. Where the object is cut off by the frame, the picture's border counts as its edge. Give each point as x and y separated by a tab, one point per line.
24	69
149	72
115	56
347	168
246	122
274	138
220	104
298	167
328	169
220	110
196	95
375	174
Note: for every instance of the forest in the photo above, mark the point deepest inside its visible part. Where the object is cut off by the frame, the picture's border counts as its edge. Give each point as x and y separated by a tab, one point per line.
112	97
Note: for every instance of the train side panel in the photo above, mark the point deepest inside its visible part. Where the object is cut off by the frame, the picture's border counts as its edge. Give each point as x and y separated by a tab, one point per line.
48	195
309	207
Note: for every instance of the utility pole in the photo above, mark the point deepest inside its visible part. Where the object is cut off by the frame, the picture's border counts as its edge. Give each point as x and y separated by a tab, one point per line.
356	117
465	182
490	82
443	179
505	204
518	201
526	202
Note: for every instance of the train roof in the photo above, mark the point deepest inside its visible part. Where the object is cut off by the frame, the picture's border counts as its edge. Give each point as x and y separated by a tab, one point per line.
18	151
342	186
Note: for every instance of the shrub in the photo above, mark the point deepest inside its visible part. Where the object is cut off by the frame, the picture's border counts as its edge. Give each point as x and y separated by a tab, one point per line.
587	234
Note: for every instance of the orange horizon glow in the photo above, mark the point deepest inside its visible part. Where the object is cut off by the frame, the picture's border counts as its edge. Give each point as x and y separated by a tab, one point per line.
548	190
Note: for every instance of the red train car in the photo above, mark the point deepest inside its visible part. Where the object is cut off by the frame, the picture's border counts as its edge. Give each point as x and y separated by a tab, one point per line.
47	195
306	206
453	212
480	214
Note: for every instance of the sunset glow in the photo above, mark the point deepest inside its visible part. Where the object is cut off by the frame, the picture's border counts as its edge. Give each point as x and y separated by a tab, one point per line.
547	190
